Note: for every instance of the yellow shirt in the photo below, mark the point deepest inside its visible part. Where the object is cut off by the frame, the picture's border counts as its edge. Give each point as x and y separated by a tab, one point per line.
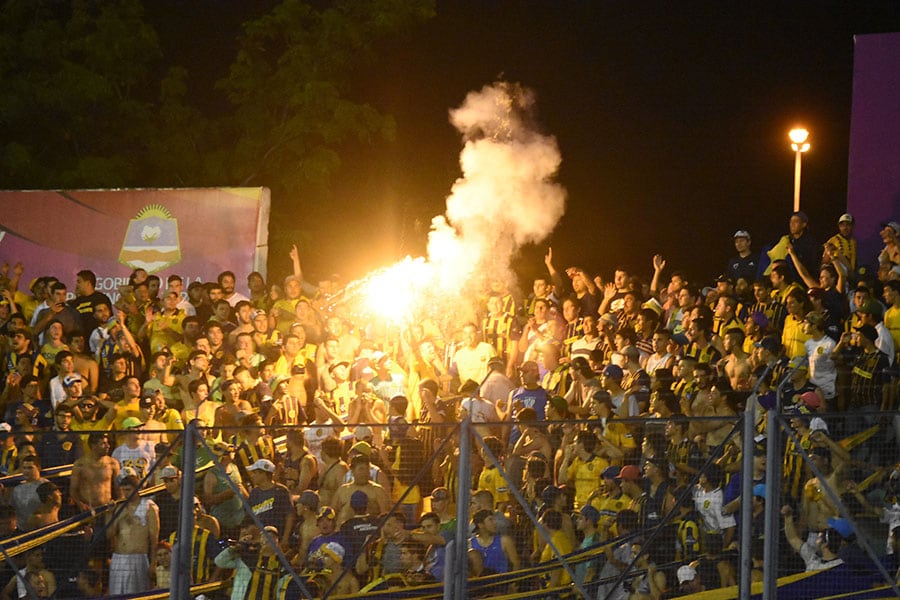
565	546
847	246
491	480
892	322
793	338
585	475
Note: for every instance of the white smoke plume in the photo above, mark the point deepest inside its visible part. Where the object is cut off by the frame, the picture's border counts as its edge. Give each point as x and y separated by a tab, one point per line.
506	197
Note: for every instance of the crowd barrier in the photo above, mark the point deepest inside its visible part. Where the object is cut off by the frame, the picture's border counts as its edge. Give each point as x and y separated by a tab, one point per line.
870	465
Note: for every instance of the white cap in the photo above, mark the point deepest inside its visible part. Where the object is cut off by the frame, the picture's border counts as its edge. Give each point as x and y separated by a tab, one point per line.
846	218
262	465
742	233
686	573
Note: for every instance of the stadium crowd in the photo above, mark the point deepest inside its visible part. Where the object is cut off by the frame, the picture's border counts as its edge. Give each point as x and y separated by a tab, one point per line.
610	405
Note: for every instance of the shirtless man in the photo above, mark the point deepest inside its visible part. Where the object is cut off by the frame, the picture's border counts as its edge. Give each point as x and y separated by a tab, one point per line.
307	507
737	363
84	362
379	502
228	415
198	368
48	511
333	470
94	475
815	506
133	535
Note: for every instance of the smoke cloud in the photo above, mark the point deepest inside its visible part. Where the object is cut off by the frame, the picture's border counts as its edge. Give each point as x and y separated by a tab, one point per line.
506	196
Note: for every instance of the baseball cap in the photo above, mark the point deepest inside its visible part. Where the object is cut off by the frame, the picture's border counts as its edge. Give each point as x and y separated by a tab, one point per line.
630	473
560	404
362	448
798	362
686	573
277	380
846	218
310	499
325	512
613	371
262	464
842	526
362	432
338	364
611	472
724	279
810	399
871	307
742	233
168	471
760	490
893	225
550	493
468	387
769	343
131	423
759	319
590	513
70	380
257	313
610	319
359	500
800	215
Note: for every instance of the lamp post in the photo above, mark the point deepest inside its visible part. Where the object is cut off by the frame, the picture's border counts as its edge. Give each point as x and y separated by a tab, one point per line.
799	145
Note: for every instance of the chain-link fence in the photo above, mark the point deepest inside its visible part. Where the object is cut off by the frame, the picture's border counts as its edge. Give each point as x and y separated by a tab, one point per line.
636	507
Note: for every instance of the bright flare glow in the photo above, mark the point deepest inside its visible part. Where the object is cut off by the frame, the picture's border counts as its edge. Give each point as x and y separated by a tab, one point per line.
505	197
391	293
798	137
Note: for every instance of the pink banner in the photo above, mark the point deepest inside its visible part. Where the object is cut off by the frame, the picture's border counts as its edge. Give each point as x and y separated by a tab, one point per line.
195	233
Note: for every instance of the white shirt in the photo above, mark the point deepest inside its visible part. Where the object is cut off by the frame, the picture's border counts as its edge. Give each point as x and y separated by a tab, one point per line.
885	342
57	392
822	370
479	409
709	505
140	458
813	561
235	298
471	363
187	307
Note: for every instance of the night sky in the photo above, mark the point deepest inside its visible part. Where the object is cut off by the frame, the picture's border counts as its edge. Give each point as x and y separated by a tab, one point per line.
672	120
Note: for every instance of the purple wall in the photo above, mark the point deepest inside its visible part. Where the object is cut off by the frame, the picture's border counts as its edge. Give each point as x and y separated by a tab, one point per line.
873	186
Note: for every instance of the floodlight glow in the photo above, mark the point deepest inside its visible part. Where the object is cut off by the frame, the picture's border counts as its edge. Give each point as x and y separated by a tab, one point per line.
798	137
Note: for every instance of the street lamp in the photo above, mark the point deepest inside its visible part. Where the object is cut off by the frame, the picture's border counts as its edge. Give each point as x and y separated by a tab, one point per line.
799	145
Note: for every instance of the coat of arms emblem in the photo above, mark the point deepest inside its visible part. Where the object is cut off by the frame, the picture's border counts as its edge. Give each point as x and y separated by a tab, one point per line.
151	241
